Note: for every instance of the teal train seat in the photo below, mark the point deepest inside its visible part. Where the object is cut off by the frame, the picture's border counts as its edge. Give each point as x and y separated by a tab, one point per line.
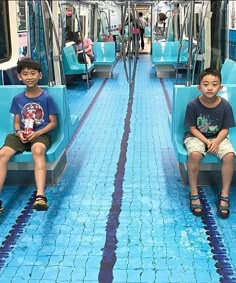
21	166
210	165
165	57
167	52
70	63
228	72
105	58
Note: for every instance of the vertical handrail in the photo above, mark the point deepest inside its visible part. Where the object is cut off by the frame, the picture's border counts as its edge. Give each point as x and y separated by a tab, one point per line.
100	14
199	39
189	65
35	28
51	81
82	43
219	33
181	42
130	73
136	46
57	42
127	73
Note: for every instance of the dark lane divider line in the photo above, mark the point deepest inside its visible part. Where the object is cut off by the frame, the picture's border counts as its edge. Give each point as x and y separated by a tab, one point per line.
109	249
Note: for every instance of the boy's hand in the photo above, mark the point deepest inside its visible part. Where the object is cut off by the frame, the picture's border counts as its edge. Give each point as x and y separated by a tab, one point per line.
21	135
213	147
31	136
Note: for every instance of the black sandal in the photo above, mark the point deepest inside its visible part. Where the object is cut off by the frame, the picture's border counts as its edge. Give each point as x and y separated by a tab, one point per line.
196	209
1	207
40	203
223	211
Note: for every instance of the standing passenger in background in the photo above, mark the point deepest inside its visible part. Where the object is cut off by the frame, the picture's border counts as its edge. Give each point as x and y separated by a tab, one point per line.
142	24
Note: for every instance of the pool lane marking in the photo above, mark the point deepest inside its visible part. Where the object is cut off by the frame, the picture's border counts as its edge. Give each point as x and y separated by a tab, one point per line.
223	265
15	233
109	250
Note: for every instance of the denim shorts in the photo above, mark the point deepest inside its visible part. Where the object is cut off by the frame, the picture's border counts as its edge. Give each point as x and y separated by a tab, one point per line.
15	143
194	144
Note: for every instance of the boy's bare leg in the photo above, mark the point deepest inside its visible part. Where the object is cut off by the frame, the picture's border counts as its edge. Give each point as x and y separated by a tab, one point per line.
193	167
5	154
227	171
40	168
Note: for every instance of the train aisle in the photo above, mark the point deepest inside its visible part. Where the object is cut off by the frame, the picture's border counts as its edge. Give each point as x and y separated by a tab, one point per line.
119	212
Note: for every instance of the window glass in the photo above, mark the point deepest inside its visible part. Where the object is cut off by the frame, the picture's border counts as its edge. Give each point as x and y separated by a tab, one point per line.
4	31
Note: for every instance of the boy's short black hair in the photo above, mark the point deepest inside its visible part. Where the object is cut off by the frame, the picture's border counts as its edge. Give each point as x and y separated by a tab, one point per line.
28	63
209	71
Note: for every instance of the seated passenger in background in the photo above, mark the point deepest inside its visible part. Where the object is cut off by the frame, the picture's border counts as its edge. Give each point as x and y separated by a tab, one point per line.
209	118
87	44
34	118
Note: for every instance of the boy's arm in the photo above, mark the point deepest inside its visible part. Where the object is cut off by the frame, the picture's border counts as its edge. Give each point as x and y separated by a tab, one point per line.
17	128
222	135
196	133
17	124
50	126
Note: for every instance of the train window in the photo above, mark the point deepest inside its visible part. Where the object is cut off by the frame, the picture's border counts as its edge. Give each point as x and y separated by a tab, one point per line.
5	48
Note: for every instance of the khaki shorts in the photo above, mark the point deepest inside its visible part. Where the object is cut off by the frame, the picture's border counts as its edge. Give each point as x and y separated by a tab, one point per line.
15	143
194	144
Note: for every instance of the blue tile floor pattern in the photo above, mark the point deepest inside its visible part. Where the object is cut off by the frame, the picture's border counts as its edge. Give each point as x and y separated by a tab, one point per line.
119	212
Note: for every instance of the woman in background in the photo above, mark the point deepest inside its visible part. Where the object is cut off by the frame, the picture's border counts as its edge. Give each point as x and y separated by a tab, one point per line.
87	45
